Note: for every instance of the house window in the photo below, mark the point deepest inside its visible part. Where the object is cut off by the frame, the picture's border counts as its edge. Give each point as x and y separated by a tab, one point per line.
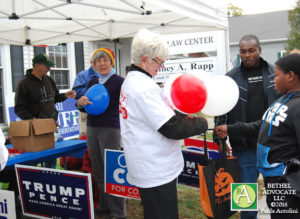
37	50
17	64
79	57
60	72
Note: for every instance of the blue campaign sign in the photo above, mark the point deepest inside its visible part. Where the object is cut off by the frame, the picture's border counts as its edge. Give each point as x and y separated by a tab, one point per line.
12	116
193	154
67	118
116	182
51	193
189	175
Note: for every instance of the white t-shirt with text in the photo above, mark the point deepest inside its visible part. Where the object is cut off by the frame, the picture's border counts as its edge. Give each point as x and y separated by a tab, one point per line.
152	159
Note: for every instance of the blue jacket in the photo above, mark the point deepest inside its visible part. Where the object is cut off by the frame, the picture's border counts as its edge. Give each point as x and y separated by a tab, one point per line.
82	80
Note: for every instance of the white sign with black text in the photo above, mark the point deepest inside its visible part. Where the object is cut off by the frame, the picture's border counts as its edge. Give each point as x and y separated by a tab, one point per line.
193	42
207	64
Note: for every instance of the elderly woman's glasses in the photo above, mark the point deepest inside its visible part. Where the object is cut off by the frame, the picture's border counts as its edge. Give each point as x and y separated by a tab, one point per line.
157	62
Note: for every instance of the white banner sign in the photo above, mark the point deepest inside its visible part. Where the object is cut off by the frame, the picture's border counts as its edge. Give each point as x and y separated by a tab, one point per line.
7	204
192	42
207	64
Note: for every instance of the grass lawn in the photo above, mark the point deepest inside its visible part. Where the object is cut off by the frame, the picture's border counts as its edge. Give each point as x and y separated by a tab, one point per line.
188	204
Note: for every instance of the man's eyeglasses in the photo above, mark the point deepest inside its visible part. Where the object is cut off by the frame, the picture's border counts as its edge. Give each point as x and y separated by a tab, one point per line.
157	62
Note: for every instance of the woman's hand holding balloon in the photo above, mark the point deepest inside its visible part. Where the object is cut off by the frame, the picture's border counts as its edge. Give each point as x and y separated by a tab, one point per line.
197	115
83	101
98	100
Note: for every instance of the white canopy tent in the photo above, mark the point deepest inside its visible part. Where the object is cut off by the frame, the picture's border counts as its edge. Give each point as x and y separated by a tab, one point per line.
50	22
37	22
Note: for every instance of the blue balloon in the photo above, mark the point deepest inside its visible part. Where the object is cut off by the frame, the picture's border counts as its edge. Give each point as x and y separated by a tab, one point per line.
99	96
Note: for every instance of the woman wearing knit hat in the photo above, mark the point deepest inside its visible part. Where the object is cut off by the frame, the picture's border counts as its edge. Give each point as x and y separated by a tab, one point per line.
81	81
103	131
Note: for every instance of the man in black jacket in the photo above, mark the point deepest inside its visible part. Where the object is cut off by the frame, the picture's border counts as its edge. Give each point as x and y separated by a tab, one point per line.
35	98
255	80
37	93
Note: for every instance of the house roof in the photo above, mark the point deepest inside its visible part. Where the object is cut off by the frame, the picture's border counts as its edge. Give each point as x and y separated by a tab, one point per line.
268	27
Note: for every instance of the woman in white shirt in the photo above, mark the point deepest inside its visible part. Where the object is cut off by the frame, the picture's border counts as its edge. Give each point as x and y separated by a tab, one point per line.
150	129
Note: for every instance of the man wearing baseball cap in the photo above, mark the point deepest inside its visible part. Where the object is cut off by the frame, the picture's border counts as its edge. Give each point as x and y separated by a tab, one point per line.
42	59
37	93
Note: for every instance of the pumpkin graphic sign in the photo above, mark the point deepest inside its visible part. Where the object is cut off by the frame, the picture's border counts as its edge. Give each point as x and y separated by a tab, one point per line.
222	182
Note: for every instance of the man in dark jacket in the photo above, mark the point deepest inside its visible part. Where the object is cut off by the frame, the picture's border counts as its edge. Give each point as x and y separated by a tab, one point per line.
255	80
37	93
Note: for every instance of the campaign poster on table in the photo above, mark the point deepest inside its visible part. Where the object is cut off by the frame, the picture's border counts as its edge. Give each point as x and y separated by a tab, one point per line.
116	181
193	154
51	193
67	118
7	205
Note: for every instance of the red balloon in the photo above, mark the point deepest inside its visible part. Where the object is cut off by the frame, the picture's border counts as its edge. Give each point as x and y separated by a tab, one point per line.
188	94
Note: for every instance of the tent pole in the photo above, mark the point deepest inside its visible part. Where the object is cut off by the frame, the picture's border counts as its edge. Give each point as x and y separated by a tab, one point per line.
118	66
